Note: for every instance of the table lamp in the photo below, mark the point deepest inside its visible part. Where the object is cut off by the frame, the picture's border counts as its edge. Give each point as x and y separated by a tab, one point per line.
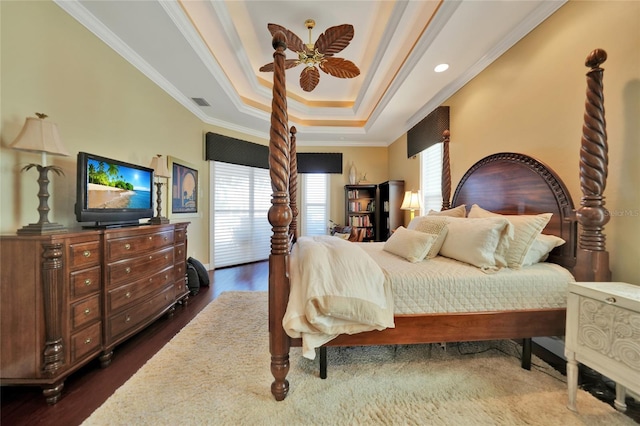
38	135
411	202
159	165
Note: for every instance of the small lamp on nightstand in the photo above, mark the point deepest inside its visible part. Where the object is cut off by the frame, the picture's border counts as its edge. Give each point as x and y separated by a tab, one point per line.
411	202
38	135
159	165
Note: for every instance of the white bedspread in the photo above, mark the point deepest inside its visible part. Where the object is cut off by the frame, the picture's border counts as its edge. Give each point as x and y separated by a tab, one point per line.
441	285
340	290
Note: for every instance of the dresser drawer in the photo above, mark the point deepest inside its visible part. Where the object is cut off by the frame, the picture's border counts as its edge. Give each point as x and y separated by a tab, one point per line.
180	235
85	282
84	254
85	311
122	296
86	341
121	324
125	247
138	267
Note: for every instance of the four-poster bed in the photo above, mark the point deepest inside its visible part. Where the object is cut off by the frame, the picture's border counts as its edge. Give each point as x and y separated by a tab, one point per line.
532	188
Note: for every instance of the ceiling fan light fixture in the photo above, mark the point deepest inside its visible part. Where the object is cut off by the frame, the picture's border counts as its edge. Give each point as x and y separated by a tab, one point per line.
441	67
319	55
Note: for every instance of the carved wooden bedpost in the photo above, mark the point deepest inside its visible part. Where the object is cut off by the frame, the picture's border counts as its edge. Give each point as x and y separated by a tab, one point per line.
446	171
279	218
293	185
593	259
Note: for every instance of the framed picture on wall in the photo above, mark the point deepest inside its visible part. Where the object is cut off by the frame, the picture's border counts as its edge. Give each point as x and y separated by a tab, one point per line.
183	189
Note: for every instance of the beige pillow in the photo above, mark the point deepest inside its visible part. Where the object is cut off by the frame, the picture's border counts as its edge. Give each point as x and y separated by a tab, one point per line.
435	225
474	241
460	211
412	245
526	229
541	247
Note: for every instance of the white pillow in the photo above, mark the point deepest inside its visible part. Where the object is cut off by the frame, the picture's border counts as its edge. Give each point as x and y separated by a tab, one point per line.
526	229
435	225
460	211
344	236
541	247
412	245
475	241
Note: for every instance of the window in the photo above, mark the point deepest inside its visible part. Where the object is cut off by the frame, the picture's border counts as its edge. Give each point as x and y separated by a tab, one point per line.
431	177
242	198
314	206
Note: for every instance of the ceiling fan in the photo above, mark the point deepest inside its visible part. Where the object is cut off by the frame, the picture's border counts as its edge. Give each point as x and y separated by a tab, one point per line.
320	54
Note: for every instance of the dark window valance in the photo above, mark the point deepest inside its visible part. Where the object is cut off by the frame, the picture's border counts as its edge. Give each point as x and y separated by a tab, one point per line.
428	132
236	151
320	162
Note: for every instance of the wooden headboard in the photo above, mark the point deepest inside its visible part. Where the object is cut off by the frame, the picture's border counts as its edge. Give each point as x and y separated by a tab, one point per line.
510	183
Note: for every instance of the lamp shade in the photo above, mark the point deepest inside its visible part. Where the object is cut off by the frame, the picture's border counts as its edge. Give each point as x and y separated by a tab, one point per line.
411	201
159	165
39	135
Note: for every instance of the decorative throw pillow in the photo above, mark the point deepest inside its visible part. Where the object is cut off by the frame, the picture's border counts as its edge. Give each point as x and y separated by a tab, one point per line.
435	225
541	247
474	241
526	229
412	245
460	211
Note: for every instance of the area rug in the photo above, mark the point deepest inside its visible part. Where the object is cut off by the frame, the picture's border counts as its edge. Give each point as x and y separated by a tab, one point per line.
216	372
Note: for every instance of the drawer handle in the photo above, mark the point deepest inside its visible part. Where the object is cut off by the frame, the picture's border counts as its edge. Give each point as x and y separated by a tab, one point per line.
150	257
87	282
87	311
150	238
87	340
127	319
610	300
86	253
127	270
166	277
127	246
179	251
150	280
166	256
165	238
128	295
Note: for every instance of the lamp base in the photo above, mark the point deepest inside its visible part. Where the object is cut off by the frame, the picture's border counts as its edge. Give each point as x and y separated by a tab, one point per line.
42	229
158	220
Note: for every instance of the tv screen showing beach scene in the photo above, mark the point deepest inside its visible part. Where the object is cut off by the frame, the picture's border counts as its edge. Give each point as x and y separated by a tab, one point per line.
116	186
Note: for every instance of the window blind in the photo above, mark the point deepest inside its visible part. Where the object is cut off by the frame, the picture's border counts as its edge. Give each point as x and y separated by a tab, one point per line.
315	204
242	232
431	172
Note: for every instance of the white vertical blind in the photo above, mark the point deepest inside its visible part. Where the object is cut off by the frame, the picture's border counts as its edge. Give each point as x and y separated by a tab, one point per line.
431	173
314	209
242	231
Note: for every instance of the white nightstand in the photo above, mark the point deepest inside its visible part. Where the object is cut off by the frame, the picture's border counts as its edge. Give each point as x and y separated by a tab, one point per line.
603	332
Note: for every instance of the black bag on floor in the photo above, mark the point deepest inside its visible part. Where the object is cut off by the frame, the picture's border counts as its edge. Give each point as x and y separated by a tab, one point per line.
203	274
193	281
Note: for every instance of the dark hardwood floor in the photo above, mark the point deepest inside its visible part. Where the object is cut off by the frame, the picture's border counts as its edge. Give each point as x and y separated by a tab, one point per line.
89	387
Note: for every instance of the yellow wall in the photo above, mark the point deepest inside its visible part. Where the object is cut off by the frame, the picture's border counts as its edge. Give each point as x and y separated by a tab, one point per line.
531	100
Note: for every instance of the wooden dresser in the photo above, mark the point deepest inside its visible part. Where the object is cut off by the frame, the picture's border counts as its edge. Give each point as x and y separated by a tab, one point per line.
603	332
68	298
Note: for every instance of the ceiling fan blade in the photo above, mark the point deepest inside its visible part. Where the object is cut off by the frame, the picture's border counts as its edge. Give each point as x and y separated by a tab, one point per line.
339	67
334	39
288	63
294	43
309	78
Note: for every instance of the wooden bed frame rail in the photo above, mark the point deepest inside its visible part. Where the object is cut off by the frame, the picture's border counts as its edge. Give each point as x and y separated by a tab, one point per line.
592	259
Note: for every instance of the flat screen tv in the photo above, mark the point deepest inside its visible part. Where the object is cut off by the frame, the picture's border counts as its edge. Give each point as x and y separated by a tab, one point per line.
112	193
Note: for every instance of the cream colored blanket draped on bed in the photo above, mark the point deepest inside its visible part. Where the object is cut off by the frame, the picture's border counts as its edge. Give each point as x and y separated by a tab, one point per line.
340	290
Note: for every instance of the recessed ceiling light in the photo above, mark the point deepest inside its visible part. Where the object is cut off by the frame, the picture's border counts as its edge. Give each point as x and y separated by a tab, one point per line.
441	67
